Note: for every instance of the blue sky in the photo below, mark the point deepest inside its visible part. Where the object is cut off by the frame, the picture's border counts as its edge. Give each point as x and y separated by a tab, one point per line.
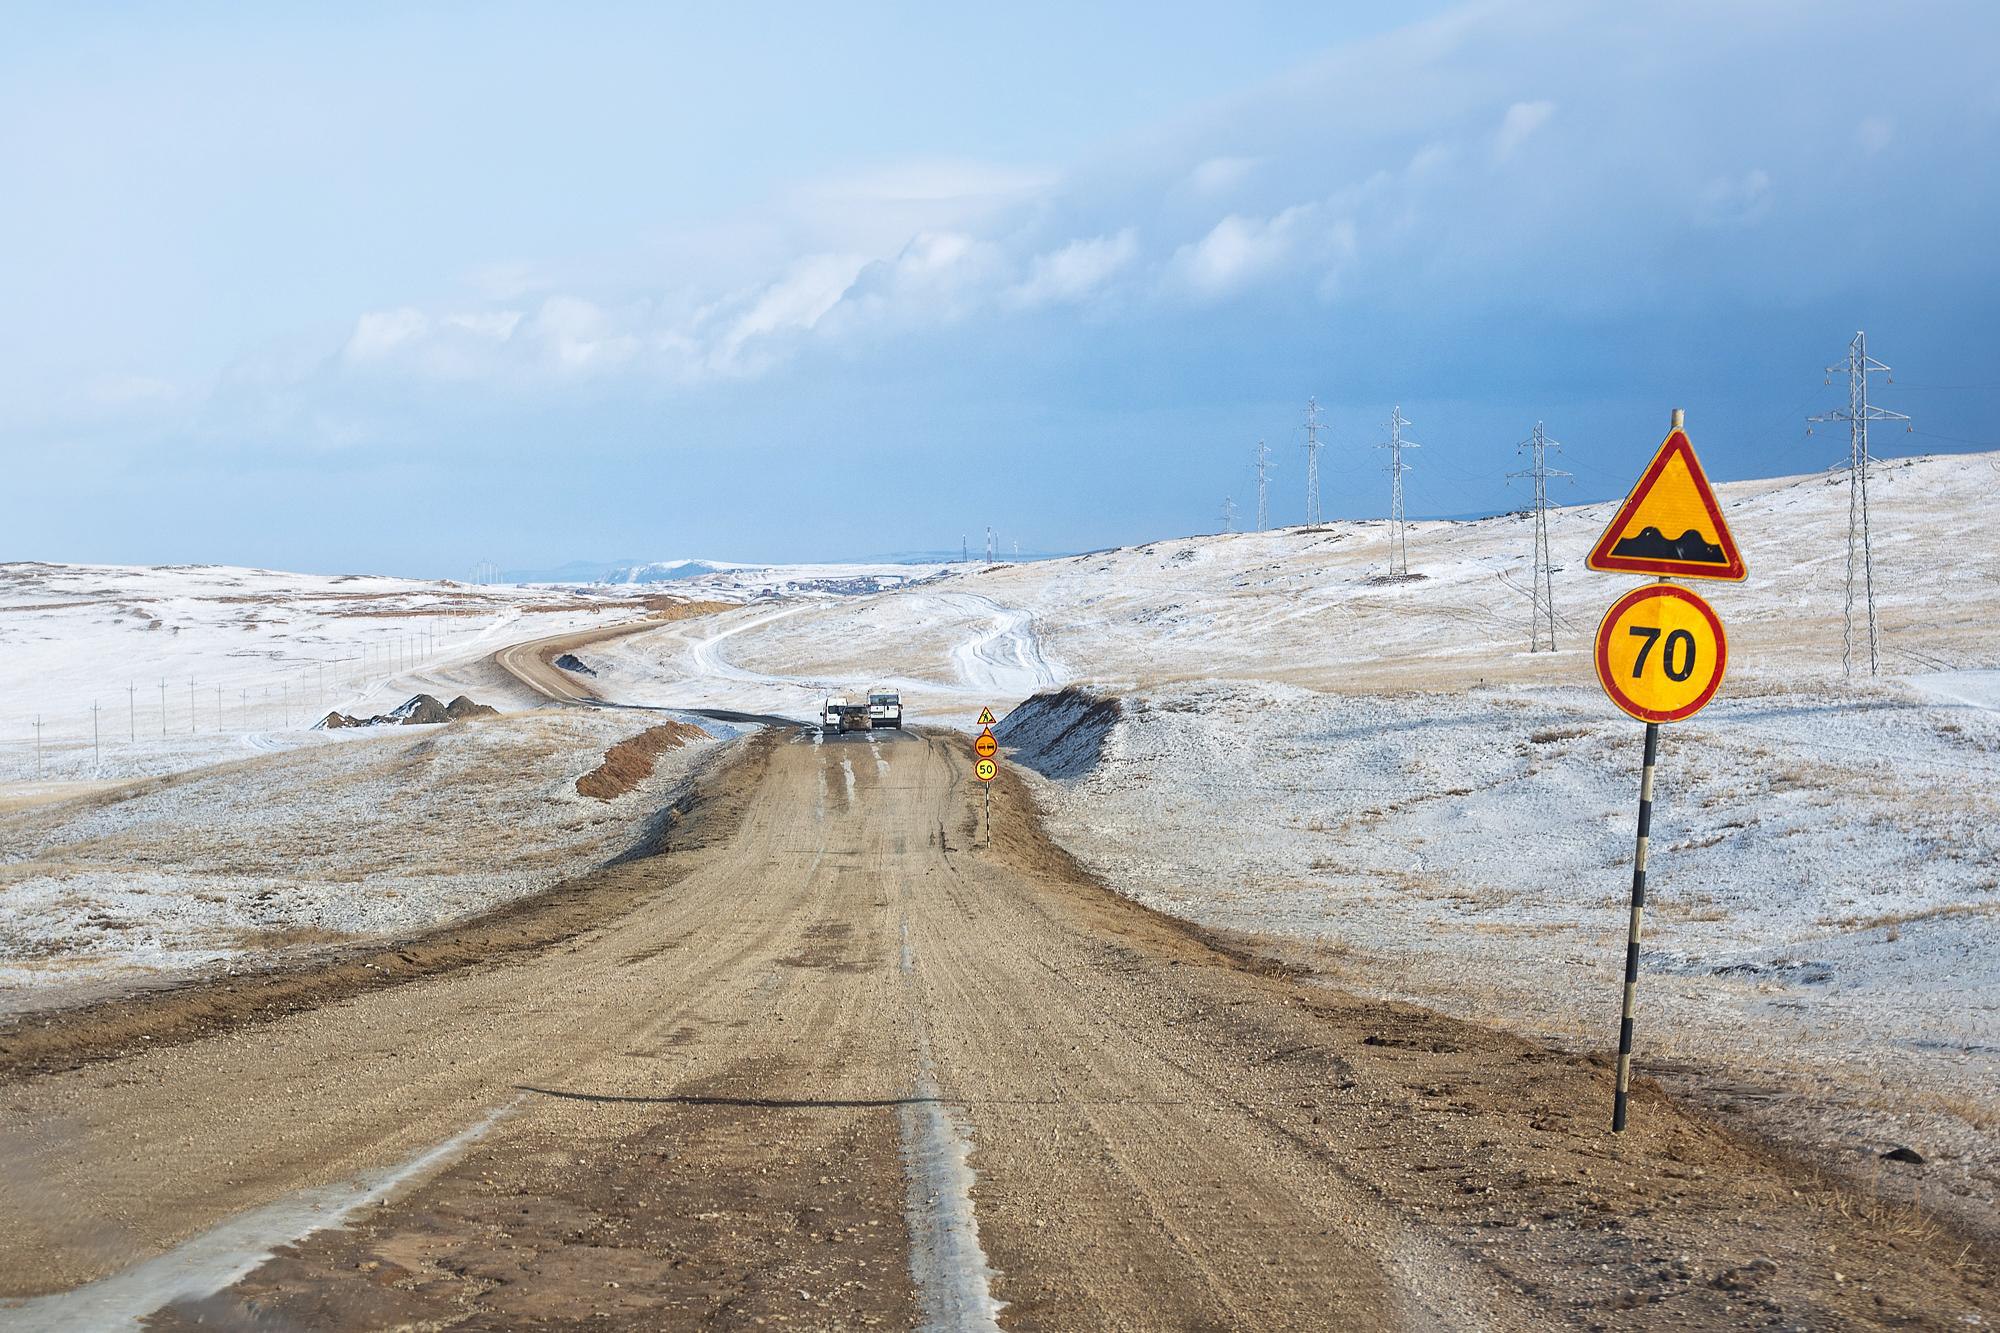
404	288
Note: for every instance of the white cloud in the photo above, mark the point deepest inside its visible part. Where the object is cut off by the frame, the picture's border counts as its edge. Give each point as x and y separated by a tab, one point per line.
795	303
379	333
1219	175
1076	270
1237	251
1518	125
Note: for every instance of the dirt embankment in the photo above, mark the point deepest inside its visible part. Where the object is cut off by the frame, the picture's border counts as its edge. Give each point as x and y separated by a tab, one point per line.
630	762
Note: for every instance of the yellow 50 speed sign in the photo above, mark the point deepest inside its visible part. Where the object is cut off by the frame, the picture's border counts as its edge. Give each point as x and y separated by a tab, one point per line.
1661	653
985	770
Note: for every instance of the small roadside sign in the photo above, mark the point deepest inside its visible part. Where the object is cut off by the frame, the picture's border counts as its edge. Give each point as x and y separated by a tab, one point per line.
1670	524
985	717
986	770
986	747
1661	652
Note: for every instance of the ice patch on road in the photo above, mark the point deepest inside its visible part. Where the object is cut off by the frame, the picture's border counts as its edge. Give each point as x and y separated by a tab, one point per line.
225	1254
954	1281
947	1262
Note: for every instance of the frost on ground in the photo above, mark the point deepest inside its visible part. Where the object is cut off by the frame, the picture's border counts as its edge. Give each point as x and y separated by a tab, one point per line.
384	833
136	671
1817	921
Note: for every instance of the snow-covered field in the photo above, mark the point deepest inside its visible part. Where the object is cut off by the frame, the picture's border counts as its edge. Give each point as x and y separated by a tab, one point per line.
346	835
197	664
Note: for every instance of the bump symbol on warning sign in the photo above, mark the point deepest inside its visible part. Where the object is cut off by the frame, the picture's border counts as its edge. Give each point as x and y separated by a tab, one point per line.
1670	524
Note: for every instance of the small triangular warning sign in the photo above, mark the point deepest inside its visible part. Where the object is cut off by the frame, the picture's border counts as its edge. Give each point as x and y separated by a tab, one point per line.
985	717
1670	524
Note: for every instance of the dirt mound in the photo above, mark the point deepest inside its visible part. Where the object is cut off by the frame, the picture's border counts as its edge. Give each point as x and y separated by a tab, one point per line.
571	662
630	762
417	710
1061	734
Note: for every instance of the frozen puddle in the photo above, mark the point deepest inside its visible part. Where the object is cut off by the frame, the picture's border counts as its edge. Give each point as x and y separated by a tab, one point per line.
954	1282
222	1255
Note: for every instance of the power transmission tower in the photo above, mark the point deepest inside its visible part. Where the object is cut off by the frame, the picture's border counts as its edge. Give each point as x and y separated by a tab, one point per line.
1312	462
1544	575
989	543
1228	514
964	550
1263	487
1860	553
1399	553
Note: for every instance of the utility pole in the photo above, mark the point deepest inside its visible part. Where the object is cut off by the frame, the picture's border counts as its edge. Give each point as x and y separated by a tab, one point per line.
132	710
1399	552
96	753
1312	462
163	708
1860	552
1263	487
38	746
190	705
1228	514
1543	576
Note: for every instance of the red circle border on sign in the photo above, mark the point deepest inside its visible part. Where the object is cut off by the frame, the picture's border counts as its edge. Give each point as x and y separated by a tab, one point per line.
1603	654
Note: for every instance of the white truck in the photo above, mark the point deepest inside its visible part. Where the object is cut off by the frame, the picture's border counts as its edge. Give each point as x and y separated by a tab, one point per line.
842	714
885	709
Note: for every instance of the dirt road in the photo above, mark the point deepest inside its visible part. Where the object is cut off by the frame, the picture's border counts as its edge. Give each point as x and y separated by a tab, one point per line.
745	1093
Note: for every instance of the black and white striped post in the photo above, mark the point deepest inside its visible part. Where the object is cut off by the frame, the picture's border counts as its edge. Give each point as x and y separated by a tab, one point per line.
1632	938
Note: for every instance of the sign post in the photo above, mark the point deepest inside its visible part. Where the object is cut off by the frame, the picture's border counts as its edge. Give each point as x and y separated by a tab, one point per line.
1661	650
986	769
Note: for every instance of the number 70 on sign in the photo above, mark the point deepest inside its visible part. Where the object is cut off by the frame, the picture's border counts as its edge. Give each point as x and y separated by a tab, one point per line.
1661	653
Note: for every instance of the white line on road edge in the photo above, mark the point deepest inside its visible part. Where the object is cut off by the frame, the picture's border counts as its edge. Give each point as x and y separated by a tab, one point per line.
222	1255
954	1281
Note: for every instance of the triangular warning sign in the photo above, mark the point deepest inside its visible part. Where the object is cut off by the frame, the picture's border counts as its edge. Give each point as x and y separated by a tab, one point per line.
985	717
1670	523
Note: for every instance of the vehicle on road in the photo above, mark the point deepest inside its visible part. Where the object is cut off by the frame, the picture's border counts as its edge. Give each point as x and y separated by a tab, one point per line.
841	714
885	709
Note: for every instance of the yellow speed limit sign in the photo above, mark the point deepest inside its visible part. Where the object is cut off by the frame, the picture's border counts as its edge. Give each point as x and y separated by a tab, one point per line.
1661	653
985	770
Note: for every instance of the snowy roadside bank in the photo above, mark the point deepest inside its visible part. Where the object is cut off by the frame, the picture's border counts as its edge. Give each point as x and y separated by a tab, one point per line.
393	831
1825	902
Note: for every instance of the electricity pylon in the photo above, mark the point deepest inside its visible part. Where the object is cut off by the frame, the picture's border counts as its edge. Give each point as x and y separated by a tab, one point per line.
1544	574
1399	553
1312	462
1860	552
1263	487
